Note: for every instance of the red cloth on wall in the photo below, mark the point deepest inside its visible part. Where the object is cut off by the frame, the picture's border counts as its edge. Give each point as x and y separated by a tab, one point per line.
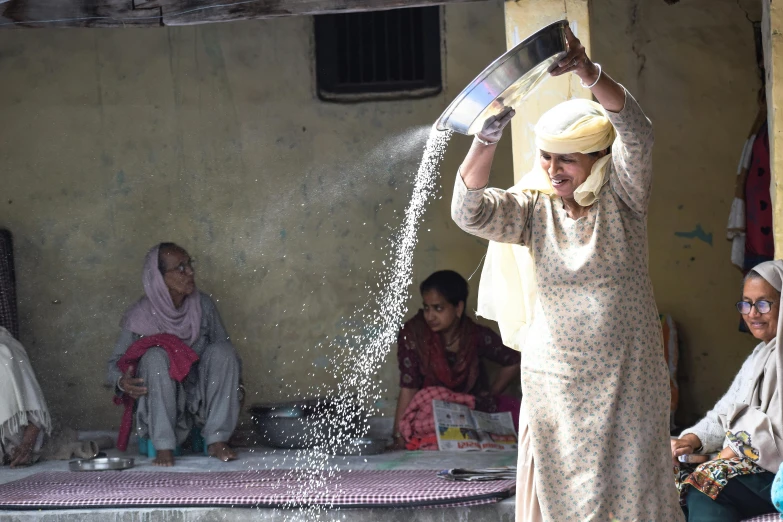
758	203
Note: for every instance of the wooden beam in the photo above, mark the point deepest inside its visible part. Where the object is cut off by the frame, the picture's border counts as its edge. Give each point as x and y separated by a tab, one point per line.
188	12
135	13
81	13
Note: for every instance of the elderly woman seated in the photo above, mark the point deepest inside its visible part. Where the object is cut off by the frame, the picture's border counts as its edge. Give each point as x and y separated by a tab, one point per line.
24	417
746	425
442	347
196	349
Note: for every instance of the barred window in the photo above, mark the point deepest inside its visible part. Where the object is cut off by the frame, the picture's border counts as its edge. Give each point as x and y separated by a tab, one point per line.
378	54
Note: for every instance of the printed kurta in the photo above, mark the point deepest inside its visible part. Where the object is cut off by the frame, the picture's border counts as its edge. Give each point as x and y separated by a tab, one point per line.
594	440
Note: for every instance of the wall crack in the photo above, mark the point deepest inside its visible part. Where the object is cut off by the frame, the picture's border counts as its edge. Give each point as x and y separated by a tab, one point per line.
637	44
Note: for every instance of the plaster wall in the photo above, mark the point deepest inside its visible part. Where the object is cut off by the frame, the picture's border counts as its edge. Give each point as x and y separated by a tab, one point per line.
692	66
771	31
213	137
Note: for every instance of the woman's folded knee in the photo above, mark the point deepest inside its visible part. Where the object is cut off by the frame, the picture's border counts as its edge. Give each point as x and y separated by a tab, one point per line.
155	359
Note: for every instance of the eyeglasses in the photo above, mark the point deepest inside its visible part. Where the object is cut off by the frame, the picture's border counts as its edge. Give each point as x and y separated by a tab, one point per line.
761	306
182	267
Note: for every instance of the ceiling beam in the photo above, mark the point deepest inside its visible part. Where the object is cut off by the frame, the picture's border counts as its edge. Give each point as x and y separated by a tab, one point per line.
76	13
188	12
152	13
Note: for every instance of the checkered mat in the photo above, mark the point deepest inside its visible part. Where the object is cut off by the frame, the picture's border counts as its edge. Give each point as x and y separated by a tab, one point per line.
773	517
268	488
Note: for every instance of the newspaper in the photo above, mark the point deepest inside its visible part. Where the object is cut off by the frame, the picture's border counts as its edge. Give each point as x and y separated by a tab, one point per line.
459	428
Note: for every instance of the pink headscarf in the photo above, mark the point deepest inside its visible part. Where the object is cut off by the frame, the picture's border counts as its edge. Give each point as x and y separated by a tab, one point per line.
155	312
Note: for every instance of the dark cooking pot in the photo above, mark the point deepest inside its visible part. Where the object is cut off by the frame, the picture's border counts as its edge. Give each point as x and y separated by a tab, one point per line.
305	423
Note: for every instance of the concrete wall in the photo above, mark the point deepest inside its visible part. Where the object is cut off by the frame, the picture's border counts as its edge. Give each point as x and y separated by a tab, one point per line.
213	137
693	68
772	38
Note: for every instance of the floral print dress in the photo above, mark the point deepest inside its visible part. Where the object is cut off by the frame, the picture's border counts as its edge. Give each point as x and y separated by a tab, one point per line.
594	439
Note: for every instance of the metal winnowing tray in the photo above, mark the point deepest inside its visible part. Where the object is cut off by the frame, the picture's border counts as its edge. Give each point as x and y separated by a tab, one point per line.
507	81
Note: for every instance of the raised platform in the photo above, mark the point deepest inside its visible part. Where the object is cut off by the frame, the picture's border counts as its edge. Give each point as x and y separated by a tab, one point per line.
267	458
500	512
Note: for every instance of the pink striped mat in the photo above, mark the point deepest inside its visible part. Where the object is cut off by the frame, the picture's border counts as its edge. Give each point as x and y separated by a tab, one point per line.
268	488
772	517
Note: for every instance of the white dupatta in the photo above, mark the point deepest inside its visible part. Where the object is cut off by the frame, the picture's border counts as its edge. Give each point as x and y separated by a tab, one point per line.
21	398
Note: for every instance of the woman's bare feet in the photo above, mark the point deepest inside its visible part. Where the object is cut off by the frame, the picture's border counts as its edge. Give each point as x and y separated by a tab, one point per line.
164	458
220	450
22	455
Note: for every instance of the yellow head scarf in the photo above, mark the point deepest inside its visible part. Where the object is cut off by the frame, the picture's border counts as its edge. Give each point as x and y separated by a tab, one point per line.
507	290
573	126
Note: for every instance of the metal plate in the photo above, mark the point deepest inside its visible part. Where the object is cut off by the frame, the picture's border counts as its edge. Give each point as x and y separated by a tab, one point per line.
101	464
507	81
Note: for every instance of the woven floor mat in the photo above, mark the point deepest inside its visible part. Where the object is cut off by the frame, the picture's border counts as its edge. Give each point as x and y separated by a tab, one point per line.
772	517
268	488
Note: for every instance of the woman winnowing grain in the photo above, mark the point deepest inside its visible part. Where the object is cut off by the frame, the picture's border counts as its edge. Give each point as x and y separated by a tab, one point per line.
595	407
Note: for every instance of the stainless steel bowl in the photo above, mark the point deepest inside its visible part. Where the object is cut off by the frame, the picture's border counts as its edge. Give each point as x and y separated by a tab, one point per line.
507	81
297	432
362	446
306	423
288	432
101	464
293	409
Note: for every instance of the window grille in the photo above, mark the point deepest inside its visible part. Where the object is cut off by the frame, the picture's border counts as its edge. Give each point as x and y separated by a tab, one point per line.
378	54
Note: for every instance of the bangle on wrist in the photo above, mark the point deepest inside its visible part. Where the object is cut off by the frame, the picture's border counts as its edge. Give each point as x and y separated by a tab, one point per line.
484	142
600	72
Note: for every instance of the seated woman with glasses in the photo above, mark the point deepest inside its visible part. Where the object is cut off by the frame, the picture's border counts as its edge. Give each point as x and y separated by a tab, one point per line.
745	427
195	348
